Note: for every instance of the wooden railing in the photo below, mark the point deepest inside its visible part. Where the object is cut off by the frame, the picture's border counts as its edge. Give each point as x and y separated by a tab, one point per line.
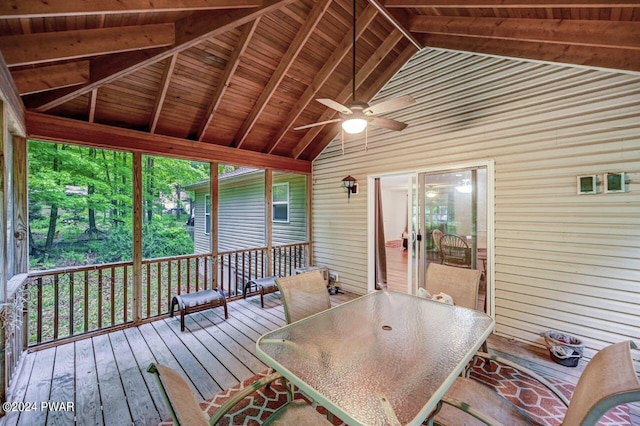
68	302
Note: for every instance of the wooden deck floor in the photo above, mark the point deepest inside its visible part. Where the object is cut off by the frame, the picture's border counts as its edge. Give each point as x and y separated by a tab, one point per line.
105	377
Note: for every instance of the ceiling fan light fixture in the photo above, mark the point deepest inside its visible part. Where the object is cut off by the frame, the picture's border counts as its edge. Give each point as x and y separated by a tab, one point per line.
354	125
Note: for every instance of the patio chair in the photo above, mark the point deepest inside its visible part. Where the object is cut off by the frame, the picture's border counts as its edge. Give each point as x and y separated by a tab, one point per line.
303	295
437	236
455	251
608	381
461	284
185	410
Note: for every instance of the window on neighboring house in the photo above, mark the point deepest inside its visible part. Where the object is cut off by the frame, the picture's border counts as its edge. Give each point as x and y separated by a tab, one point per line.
280	200
207	214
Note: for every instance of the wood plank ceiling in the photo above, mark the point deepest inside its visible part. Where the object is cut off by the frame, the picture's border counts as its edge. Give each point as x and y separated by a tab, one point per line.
228	80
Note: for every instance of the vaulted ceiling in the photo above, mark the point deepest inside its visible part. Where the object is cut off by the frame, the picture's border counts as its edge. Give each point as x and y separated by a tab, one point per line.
231	79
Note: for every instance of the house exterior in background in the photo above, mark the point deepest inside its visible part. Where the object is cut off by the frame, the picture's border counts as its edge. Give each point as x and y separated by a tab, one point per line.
557	259
241	210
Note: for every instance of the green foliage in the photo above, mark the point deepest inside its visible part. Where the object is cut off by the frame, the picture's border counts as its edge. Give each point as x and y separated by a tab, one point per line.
81	205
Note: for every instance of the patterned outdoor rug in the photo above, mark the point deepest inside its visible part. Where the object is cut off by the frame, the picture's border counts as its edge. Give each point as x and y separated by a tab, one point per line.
518	388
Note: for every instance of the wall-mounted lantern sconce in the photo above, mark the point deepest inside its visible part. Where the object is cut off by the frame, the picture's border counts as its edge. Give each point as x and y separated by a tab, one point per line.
350	183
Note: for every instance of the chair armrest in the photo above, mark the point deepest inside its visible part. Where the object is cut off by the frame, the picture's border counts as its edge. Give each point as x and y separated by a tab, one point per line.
528	372
243	393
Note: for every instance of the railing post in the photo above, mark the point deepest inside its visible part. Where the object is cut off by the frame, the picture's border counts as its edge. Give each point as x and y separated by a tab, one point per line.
137	236
213	188
268	192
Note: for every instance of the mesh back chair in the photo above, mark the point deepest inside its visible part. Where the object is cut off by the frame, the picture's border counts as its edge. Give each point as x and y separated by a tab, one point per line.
303	295
185	410
437	236
461	284
455	251
608	381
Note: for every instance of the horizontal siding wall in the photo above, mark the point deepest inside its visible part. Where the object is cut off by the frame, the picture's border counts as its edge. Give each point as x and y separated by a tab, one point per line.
562	261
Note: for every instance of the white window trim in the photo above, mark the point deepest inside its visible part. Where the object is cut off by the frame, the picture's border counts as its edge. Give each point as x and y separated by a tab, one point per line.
207	216
274	203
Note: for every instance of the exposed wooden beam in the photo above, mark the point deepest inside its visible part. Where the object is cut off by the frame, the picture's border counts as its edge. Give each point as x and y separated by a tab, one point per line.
60	45
529	4
365	71
11	98
368	93
399	24
620	59
323	75
162	93
562	31
298	42
189	32
232	64
58	129
41	79
39	8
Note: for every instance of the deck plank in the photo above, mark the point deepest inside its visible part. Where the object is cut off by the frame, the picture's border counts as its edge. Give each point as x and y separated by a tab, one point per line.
63	386
192	367
112	394
140	402
112	367
88	411
19	385
39	387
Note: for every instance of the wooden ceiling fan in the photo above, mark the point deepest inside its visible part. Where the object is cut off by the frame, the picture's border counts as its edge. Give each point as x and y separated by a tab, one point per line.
356	115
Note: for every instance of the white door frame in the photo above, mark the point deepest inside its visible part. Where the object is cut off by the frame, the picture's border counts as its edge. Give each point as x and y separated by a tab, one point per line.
413	174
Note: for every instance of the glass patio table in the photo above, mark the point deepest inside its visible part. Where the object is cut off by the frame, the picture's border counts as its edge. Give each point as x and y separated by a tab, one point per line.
383	358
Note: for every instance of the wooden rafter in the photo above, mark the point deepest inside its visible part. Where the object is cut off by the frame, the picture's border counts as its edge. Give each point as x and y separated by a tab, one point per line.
323	75
61	45
310	23
39	8
232	64
345	95
11	98
621	59
162	93
41	79
189	32
560	31
542	4
58	129
368	93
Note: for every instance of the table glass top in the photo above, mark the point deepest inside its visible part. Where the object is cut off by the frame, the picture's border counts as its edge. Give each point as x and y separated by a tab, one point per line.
380	355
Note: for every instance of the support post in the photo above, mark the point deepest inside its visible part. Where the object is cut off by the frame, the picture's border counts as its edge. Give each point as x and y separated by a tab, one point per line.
268	216
137	236
213	190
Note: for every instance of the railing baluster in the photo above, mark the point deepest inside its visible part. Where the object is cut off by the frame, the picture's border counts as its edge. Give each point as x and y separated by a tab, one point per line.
71	304
148	290
39	314
188	276
125	283
159	287
197	261
169	280
113	296
100	298
86	301
205	260
180	276
56	306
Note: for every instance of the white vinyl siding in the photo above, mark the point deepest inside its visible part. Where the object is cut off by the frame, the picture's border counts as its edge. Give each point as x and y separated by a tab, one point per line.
562	261
295	230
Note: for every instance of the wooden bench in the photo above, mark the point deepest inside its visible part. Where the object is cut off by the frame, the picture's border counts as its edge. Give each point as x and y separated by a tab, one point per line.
262	286
192	302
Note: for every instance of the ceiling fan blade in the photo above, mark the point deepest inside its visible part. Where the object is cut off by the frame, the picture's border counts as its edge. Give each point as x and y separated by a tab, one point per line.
387	123
390	105
320	123
334	105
